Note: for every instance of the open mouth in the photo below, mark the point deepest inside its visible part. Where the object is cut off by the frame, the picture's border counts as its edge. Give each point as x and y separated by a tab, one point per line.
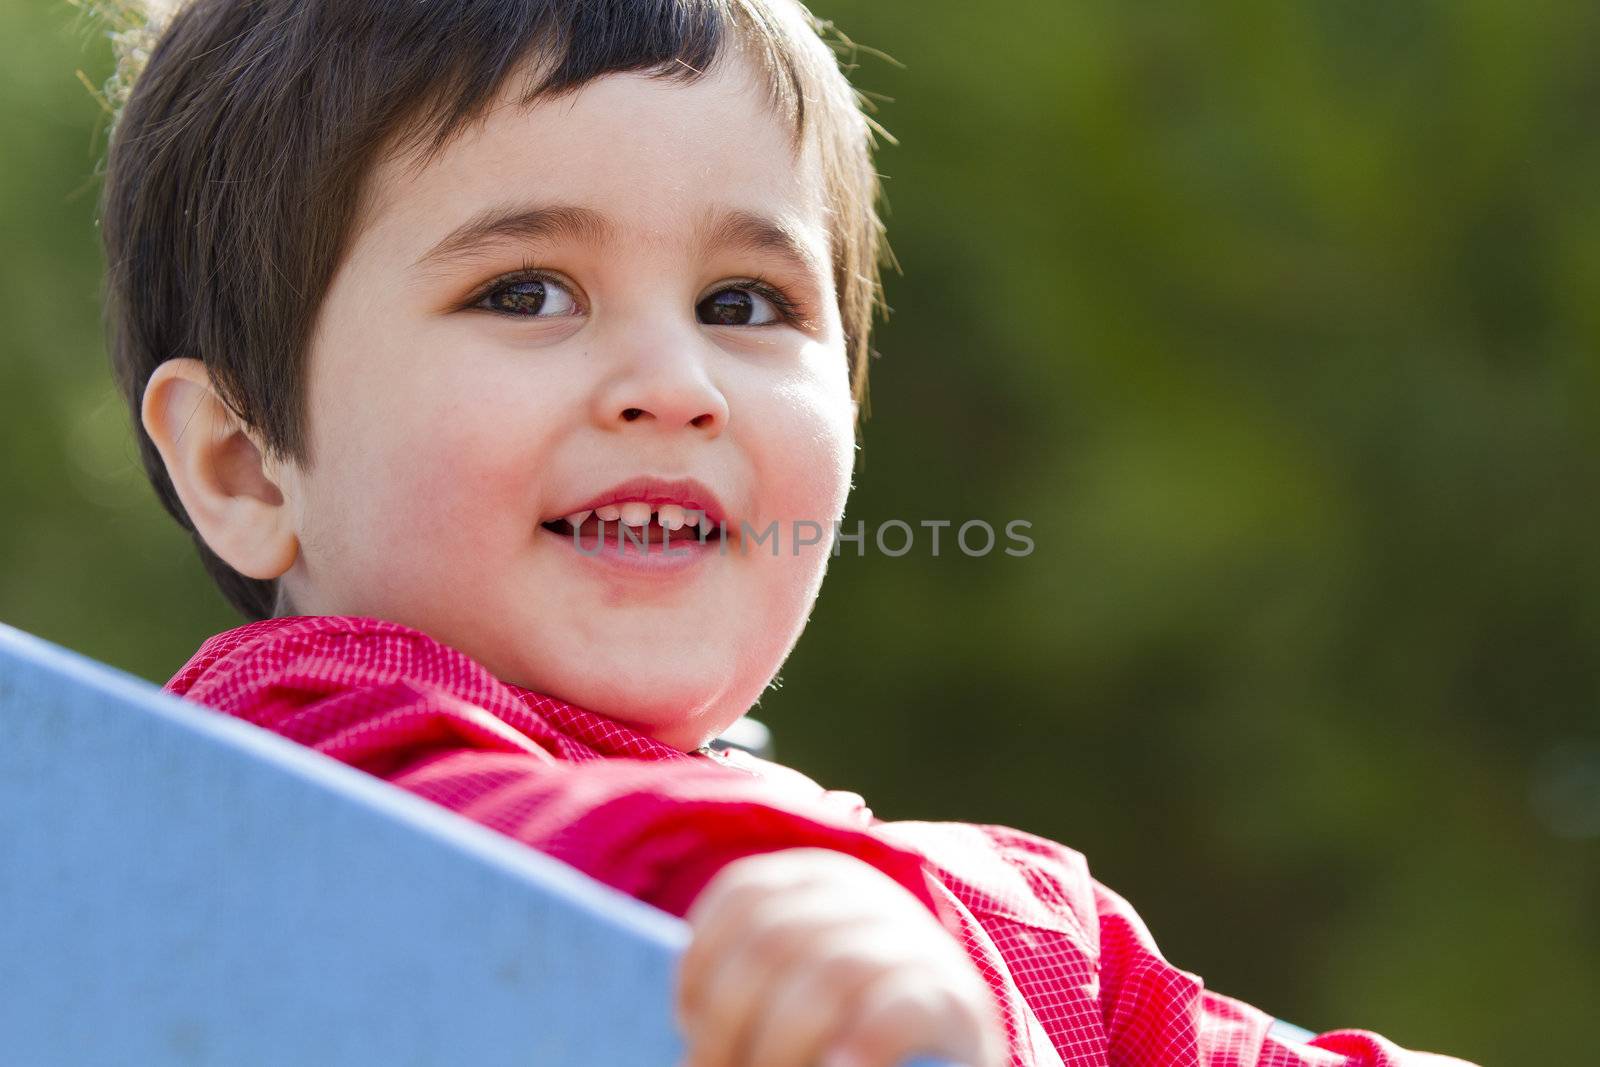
637	524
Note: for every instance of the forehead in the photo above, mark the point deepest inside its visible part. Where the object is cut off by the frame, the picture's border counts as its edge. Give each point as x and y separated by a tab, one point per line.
657	158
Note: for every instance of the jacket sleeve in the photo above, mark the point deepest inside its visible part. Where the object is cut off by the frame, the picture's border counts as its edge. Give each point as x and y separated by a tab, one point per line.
1156	1014
433	722
658	831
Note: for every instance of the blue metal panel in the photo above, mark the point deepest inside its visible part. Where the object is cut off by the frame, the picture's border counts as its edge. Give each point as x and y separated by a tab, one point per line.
178	887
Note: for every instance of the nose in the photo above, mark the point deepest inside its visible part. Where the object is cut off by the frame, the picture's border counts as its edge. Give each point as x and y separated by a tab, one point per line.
667	384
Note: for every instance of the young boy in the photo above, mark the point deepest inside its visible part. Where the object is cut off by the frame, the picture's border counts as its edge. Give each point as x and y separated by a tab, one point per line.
420	303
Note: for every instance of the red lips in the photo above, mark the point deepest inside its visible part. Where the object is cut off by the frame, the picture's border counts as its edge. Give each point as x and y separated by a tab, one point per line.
684	492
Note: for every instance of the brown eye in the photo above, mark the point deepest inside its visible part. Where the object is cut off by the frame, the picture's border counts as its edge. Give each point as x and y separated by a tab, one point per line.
530	297
737	307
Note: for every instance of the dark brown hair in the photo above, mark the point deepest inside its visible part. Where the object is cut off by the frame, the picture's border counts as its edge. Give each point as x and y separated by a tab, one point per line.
237	167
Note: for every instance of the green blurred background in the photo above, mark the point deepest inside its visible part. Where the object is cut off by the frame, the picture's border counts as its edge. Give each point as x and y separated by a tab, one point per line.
1280	321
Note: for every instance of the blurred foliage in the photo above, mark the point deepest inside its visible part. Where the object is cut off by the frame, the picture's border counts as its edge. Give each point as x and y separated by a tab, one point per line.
1280	321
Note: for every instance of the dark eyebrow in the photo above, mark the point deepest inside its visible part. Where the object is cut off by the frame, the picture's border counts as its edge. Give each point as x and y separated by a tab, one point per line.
735	228
758	233
519	222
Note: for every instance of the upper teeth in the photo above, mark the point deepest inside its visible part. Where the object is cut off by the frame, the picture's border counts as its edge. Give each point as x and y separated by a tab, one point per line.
637	513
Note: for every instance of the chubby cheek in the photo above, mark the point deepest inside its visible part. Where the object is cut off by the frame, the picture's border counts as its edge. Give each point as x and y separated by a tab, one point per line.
468	481
805	458
433	481
810	444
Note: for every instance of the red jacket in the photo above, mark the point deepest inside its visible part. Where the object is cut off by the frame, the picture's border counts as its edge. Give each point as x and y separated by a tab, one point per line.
1077	975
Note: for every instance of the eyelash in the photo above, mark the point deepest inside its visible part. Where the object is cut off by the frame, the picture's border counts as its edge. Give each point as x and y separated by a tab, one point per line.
789	311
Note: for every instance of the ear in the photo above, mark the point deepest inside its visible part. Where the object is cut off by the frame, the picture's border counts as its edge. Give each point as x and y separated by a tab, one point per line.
232	494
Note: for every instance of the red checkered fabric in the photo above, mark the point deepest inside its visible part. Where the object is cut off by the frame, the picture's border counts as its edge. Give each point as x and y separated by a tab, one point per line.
1077	975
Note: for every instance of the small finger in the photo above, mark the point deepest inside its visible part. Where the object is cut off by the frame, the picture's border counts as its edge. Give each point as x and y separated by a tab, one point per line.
715	935
902	1015
805	1011
728	1002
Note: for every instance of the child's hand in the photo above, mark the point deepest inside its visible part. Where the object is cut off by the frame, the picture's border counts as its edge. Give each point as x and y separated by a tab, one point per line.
808	951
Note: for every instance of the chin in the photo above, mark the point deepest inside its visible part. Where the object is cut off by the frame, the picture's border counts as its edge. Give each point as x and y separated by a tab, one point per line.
673	707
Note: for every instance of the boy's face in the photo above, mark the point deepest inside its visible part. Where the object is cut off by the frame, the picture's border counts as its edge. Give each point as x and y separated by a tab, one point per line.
451	419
